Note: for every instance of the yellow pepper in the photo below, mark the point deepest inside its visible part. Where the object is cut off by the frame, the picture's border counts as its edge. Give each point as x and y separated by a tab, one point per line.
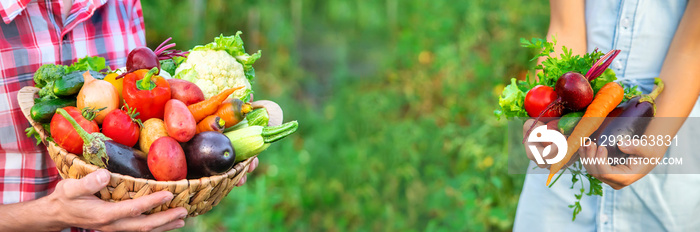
118	84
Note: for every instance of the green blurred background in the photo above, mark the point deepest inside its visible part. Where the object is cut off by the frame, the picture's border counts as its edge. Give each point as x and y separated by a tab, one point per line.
395	100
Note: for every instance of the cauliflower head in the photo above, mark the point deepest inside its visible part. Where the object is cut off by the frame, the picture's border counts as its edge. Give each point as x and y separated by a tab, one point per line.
214	71
220	65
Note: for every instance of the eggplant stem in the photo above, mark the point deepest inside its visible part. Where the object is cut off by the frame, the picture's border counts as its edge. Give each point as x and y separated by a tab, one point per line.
654	93
659	87
549	107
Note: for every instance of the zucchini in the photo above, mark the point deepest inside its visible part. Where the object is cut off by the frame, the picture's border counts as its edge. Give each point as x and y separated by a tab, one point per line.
252	140
71	83
43	111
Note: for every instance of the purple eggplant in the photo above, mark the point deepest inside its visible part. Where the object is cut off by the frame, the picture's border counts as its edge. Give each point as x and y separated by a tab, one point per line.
628	119
125	160
208	153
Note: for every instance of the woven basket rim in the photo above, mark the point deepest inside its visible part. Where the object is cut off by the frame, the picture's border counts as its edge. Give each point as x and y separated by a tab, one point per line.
31	91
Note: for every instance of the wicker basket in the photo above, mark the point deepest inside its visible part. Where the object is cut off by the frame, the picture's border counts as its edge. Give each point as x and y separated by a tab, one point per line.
197	195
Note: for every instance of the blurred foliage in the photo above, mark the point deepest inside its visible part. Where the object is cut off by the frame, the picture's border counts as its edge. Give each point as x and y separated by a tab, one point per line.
395	100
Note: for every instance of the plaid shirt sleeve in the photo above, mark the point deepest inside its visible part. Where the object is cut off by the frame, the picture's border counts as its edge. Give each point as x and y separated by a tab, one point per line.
34	33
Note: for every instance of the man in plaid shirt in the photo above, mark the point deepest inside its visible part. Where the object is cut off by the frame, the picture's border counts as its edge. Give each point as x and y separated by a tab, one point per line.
36	32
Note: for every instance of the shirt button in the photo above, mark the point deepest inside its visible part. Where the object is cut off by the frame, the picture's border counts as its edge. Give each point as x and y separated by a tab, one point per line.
626	23
604	219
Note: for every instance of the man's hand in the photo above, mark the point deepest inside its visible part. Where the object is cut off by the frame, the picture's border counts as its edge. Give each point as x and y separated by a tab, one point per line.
73	203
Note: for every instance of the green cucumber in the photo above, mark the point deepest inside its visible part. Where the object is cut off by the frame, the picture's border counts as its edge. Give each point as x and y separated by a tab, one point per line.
71	83
568	122
43	111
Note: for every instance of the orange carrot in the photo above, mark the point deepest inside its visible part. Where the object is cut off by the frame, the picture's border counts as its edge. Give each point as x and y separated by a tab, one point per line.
211	123
605	101
233	111
201	110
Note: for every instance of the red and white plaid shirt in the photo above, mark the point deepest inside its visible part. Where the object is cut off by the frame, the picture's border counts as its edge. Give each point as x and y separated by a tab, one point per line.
34	33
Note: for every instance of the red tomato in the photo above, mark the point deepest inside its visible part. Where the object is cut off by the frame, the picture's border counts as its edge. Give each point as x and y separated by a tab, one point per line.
537	100
65	135
166	160
121	127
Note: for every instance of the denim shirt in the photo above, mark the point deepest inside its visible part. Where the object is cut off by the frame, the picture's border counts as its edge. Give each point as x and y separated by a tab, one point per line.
643	31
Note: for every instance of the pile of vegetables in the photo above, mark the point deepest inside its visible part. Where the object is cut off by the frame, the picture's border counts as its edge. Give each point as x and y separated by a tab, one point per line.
147	125
577	96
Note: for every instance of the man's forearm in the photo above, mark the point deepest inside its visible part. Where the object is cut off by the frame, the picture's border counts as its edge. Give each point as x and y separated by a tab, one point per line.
35	215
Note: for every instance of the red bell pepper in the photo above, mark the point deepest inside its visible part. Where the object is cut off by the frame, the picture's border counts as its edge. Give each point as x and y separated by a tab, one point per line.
147	93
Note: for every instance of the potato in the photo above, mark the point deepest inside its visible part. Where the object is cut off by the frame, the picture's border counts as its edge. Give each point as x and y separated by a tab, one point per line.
179	122
166	160
152	129
185	91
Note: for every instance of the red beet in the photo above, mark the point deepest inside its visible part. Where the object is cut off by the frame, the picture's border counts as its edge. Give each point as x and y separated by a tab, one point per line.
145	58
575	92
142	58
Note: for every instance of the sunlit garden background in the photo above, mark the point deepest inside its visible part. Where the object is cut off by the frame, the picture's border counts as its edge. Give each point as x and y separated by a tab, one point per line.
395	100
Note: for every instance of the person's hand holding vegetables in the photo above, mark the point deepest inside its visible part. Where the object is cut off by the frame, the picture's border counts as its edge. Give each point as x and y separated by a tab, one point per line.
631	171
73	203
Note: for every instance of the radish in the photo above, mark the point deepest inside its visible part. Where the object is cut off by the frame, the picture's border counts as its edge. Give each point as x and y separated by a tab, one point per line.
145	58
574	90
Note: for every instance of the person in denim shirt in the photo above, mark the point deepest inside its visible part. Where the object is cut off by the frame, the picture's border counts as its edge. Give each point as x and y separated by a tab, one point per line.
656	39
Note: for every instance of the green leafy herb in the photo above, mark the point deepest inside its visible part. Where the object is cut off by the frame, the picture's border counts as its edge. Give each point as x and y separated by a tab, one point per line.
631	92
554	67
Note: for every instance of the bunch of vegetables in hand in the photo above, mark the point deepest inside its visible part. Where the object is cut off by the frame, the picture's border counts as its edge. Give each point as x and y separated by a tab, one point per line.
158	128
562	88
